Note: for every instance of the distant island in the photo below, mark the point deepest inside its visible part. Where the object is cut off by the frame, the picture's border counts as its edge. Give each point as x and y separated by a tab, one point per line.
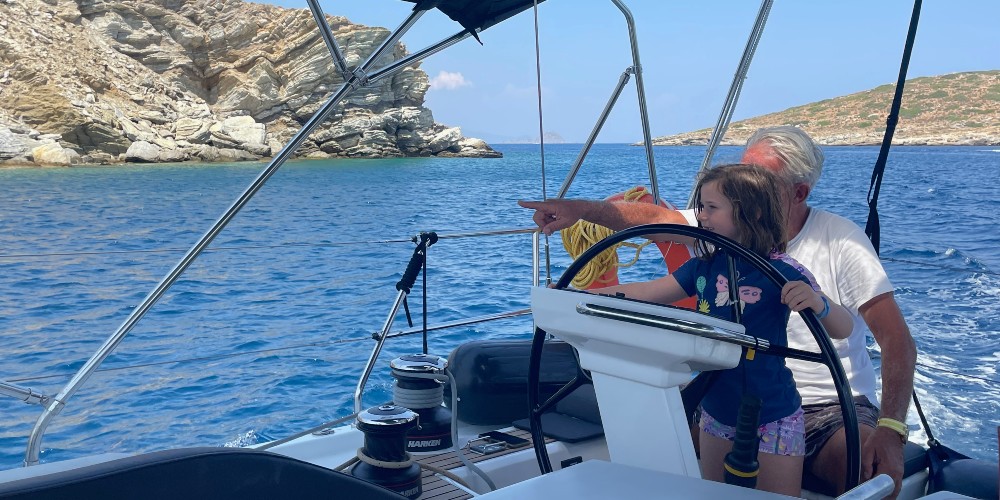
948	110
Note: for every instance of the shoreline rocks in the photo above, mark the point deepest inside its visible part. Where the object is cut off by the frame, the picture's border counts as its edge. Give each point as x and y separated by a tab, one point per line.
95	82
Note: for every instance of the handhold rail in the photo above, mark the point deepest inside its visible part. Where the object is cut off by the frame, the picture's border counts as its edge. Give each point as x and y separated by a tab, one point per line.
25	394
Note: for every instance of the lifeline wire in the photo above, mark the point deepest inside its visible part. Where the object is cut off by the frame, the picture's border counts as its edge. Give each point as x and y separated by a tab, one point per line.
376	242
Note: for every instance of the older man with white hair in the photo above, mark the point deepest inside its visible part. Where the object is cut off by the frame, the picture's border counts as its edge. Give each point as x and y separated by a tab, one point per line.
849	271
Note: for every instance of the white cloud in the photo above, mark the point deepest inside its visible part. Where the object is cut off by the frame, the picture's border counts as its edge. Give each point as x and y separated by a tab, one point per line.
449	81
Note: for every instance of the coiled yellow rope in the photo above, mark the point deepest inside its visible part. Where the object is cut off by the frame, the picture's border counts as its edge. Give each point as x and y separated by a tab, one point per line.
583	235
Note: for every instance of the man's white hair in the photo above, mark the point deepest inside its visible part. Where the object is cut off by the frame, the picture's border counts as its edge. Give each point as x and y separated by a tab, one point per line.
802	159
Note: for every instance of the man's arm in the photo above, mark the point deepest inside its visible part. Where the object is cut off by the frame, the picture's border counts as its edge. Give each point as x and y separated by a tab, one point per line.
553	215
883	452
899	353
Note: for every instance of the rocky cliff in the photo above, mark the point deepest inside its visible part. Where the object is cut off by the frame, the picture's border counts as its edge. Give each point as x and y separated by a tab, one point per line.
95	81
954	109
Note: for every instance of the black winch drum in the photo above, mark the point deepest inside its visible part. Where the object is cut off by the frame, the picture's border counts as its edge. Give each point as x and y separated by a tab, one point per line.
385	461
419	388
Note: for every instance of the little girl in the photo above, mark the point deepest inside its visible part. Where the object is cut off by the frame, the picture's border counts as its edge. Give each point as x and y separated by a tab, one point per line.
746	203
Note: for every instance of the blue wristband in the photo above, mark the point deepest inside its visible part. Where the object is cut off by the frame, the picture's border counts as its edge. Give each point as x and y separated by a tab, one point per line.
826	308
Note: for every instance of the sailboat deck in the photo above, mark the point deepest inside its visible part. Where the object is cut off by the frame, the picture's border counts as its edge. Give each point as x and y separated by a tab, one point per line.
437	487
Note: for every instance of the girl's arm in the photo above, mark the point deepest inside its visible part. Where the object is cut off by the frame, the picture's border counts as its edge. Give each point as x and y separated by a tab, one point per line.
665	290
799	295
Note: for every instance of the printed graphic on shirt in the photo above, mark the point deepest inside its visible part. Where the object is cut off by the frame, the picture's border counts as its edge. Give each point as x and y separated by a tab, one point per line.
700	286
722	291
703	306
747	294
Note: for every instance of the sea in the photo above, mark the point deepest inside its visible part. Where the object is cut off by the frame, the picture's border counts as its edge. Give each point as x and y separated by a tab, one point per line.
267	332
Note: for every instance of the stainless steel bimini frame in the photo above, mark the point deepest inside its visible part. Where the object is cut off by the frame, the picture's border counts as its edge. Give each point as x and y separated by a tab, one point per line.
623	80
729	106
355	78
635	69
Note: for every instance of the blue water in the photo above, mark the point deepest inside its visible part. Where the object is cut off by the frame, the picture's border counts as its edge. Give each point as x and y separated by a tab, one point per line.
268	331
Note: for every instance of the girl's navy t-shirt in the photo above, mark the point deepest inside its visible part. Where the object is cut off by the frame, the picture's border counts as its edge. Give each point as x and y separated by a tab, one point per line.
764	316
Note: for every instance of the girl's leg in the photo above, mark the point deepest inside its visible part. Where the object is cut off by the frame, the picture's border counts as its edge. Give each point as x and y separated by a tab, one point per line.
713	452
782	455
780	474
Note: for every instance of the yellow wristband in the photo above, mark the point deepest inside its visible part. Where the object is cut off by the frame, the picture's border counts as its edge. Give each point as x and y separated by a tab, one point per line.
895	425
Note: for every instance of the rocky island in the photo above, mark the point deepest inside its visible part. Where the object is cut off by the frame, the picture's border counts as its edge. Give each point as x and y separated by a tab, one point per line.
957	109
103	82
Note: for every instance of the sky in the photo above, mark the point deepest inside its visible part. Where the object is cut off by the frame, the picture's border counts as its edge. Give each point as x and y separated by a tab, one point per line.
689	52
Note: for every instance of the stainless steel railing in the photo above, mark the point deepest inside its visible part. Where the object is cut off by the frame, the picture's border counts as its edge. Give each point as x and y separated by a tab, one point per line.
361	76
383	335
32	396
25	394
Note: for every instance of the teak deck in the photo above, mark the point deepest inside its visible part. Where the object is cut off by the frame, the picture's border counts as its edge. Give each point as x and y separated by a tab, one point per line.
437	488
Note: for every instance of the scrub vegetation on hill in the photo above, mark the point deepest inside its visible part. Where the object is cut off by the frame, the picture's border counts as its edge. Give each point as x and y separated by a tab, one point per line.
952	109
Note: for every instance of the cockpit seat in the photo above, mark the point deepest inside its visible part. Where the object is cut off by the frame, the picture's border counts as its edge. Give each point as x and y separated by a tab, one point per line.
197	473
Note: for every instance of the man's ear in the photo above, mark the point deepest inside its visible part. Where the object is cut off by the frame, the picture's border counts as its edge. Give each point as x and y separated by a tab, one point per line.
800	193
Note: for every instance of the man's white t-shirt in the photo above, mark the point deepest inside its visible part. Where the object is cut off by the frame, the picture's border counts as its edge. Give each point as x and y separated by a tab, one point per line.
844	263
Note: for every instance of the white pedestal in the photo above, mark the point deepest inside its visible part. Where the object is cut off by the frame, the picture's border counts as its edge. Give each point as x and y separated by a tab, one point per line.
637	369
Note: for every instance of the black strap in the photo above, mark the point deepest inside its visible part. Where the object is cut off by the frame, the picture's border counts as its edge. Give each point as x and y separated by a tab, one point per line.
872	229
938	455
923	420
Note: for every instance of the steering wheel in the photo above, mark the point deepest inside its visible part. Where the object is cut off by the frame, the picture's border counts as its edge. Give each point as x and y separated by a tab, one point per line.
827	356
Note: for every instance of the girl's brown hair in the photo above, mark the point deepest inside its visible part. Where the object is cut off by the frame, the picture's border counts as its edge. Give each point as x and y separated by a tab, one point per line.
759	207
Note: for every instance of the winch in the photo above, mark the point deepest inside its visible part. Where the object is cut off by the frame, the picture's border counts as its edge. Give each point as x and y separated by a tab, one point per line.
420	387
384	460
